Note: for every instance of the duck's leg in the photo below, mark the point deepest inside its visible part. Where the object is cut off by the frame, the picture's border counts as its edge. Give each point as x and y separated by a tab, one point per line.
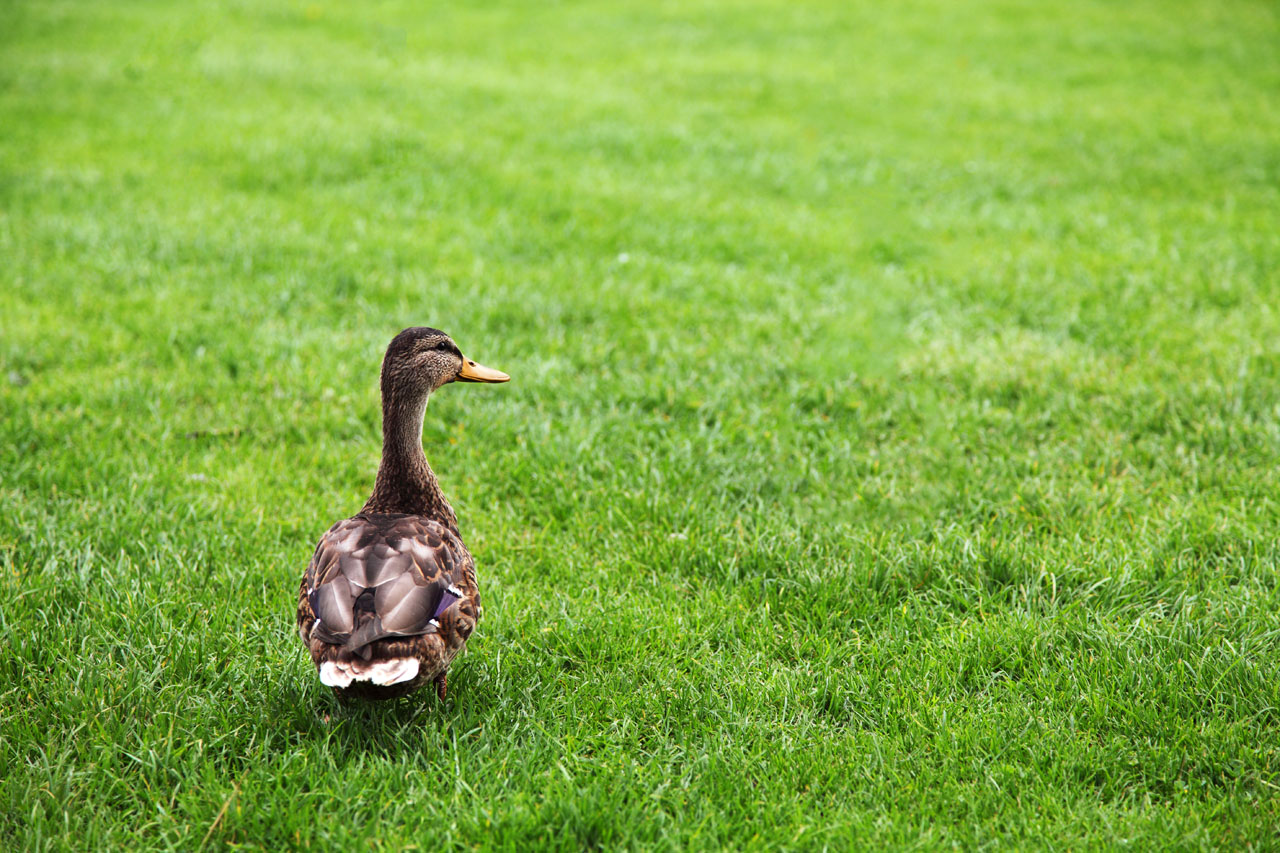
442	684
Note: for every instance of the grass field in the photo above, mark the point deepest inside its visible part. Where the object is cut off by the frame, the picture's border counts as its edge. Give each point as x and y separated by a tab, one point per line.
892	456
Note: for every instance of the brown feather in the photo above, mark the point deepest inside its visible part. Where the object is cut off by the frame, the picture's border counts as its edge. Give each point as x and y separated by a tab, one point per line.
407	562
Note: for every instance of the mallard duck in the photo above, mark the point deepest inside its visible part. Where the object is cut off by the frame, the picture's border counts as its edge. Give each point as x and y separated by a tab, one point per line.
390	596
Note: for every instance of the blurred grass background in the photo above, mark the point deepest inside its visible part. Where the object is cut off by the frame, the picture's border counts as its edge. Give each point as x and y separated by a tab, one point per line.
890	457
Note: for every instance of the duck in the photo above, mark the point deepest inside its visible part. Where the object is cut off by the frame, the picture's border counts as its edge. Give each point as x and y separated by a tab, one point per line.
390	597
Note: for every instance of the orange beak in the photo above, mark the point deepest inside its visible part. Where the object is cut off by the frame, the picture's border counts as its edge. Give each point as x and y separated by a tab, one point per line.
472	372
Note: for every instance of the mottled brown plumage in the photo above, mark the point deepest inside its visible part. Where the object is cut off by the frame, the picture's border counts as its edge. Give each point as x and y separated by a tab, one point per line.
390	595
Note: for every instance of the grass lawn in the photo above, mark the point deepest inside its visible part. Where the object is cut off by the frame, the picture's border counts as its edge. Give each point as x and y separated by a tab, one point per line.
892	455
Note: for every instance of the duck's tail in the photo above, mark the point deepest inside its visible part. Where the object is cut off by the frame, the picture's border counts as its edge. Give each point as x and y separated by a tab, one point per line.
341	673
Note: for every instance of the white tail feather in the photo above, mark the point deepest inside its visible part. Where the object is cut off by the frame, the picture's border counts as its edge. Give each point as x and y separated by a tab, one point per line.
383	672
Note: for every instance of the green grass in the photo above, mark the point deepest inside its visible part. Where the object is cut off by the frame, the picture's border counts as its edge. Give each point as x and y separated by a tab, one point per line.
892	457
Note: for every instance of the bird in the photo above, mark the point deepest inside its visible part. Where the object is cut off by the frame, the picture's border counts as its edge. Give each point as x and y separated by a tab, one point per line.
390	597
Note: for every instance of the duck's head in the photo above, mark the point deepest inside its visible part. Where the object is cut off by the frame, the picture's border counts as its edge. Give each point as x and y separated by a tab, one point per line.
420	359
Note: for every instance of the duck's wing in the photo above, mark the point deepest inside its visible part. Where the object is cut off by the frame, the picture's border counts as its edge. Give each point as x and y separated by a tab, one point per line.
382	576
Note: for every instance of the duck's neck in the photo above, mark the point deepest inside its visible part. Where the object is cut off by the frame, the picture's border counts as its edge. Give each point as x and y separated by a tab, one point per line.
406	483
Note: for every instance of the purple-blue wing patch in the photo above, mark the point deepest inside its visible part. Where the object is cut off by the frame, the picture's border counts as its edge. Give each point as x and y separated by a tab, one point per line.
447	598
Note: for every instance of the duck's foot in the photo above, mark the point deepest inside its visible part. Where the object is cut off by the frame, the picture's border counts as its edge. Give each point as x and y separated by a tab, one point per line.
442	685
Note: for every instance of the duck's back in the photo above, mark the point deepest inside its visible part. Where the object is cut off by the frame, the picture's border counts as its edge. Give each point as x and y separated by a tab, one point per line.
386	603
